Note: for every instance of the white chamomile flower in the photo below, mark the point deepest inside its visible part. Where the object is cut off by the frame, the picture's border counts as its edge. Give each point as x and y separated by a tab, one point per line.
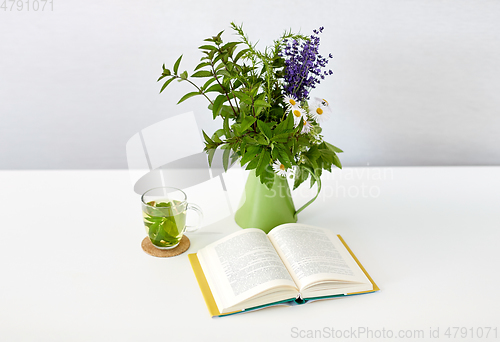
307	127
298	113
320	110
279	168
291	102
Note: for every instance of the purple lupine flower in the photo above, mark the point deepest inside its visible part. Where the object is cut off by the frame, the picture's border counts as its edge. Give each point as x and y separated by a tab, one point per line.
303	65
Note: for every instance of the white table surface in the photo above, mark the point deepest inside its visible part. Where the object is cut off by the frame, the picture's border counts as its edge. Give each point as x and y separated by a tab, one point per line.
72	269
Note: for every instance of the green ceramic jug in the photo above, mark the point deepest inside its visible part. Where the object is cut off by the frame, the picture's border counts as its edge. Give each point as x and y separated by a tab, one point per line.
265	208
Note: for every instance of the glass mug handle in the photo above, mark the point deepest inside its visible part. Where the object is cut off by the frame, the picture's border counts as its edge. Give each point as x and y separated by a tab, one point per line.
197	209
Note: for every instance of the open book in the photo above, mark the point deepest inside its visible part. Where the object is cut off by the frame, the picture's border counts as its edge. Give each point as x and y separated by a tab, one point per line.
293	264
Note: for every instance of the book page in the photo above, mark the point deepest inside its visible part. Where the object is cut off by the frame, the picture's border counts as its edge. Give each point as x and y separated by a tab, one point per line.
243	265
315	255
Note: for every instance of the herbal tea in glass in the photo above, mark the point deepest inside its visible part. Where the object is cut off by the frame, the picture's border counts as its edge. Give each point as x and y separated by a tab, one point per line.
164	215
164	222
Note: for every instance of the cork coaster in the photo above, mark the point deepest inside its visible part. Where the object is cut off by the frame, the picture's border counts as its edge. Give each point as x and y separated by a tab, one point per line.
149	248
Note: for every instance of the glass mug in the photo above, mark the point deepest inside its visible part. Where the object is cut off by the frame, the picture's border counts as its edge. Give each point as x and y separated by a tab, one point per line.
164	214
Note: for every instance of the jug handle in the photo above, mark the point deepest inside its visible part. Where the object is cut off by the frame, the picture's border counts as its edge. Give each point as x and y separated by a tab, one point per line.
318	182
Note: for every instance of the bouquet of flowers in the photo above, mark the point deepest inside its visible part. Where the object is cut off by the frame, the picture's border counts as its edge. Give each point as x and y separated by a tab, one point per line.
270	124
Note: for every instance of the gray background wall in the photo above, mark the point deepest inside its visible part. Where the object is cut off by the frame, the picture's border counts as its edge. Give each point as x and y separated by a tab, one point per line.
415	83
